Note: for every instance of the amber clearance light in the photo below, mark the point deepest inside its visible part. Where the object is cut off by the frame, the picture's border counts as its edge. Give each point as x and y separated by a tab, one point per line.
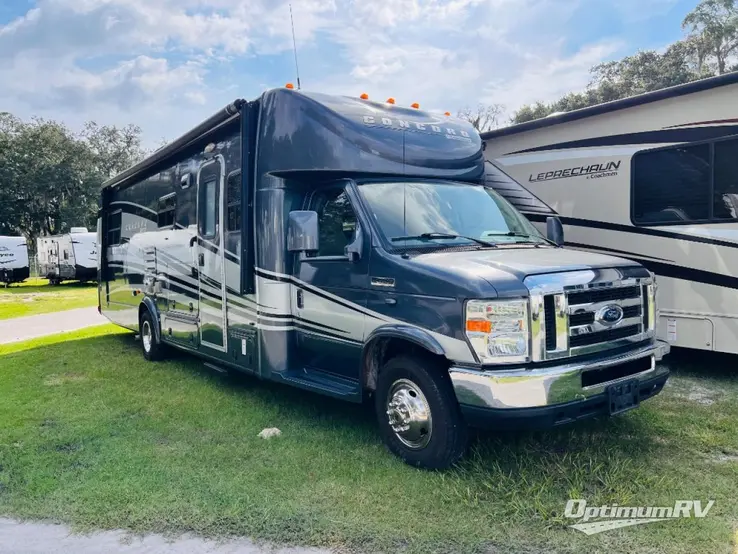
478	326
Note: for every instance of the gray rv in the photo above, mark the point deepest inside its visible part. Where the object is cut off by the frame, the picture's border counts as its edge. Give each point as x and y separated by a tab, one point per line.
351	248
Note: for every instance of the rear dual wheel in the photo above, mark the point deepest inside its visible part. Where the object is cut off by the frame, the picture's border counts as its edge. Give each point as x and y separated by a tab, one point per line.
419	416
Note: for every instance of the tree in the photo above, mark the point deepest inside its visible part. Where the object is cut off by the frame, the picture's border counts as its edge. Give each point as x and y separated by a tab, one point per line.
483	118
114	148
713	32
50	177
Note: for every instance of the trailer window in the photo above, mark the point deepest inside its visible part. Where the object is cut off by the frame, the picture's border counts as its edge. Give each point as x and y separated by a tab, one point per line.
167	210
725	197
672	186
208	221
233	202
336	221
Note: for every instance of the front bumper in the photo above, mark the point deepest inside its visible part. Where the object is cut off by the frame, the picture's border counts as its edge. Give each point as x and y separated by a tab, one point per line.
556	394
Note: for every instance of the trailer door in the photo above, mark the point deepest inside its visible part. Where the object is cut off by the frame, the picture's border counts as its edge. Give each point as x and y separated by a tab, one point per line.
211	253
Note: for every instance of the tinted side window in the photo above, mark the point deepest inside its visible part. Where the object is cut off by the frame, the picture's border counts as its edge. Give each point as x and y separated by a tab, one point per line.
336	219
233	202
209	207
672	186
167	210
725	200
114	225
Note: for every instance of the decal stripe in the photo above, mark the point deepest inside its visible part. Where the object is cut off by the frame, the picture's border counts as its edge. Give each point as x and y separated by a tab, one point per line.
648	231
325	334
689	134
614	251
660	267
690	274
318	292
713	122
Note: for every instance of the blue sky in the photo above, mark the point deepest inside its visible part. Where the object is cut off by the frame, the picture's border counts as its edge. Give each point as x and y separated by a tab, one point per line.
167	64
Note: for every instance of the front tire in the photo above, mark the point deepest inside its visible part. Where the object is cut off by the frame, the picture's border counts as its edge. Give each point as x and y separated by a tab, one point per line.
419	416
152	349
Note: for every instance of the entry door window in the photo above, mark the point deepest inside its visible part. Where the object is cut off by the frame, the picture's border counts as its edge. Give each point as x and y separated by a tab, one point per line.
209	219
336	221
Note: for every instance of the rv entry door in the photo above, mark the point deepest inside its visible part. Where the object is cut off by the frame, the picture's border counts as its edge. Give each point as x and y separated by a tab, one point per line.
210	257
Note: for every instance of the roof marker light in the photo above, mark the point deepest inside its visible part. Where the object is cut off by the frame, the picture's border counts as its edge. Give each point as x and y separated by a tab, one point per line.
289	86
390	100
415	105
364	96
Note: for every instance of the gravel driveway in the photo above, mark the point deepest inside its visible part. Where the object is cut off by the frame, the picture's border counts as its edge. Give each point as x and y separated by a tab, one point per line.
47	538
34	326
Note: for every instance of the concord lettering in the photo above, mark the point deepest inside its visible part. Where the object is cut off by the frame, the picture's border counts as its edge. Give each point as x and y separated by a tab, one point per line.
414	125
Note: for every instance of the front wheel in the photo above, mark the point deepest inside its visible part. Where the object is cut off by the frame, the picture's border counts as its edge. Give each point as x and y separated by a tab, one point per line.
152	350
419	417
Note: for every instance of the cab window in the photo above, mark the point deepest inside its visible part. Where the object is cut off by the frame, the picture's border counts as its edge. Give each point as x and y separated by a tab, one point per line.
336	221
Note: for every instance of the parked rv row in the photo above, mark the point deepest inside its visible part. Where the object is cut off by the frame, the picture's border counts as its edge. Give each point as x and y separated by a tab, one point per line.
67	257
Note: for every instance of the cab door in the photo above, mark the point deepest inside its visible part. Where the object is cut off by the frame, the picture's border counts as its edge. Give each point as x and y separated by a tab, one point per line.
329	314
210	257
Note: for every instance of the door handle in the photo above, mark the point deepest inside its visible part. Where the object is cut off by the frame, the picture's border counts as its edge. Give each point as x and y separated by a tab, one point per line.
300	299
201	259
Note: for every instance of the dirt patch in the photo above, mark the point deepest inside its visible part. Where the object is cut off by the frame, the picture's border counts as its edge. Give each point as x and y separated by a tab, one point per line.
699	394
723	457
55	379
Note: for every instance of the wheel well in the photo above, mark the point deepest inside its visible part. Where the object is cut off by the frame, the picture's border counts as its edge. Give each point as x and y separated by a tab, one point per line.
142	308
382	349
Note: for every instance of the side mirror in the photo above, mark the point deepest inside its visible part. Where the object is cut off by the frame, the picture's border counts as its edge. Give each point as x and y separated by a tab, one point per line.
353	250
555	230
302	231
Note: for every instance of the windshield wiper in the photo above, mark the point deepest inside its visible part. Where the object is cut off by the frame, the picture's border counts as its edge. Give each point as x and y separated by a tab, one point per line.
522	235
432	236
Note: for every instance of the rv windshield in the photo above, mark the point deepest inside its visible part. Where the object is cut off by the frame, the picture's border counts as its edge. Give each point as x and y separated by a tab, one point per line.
413	213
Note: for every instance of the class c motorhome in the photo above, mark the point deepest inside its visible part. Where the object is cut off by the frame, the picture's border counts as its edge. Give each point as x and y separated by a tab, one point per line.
653	178
350	248
13	260
68	257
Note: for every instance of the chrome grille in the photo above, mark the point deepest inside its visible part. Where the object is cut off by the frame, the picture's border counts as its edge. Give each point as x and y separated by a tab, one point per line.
583	304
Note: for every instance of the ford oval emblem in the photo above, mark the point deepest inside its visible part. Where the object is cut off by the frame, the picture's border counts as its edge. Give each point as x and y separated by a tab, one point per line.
609	315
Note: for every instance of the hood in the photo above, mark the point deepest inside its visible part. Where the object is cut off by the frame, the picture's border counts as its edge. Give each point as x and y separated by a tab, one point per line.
506	268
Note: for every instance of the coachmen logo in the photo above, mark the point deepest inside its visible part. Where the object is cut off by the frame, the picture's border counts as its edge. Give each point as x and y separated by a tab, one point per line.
609	315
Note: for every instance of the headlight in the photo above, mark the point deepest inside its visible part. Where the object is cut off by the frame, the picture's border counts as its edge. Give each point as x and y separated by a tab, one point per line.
498	330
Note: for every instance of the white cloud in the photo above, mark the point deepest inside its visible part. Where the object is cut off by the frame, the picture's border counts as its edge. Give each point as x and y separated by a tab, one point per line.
145	60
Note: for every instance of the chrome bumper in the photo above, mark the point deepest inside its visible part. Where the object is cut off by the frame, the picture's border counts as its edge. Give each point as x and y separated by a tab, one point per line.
534	388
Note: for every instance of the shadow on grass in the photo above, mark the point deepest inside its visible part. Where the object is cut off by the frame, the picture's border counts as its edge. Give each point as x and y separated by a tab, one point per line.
603	438
686	362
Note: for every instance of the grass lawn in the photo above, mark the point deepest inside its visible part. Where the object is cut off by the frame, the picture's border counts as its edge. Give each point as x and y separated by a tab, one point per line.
35	296
93	435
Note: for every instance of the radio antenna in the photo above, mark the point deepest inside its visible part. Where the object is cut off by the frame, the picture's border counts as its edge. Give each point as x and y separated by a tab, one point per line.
294	48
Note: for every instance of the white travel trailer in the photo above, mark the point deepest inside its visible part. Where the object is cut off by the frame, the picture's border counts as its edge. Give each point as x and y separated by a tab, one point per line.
653	178
68	257
13	260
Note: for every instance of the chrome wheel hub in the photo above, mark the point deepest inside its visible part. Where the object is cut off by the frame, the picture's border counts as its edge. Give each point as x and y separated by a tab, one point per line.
409	414
146	336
